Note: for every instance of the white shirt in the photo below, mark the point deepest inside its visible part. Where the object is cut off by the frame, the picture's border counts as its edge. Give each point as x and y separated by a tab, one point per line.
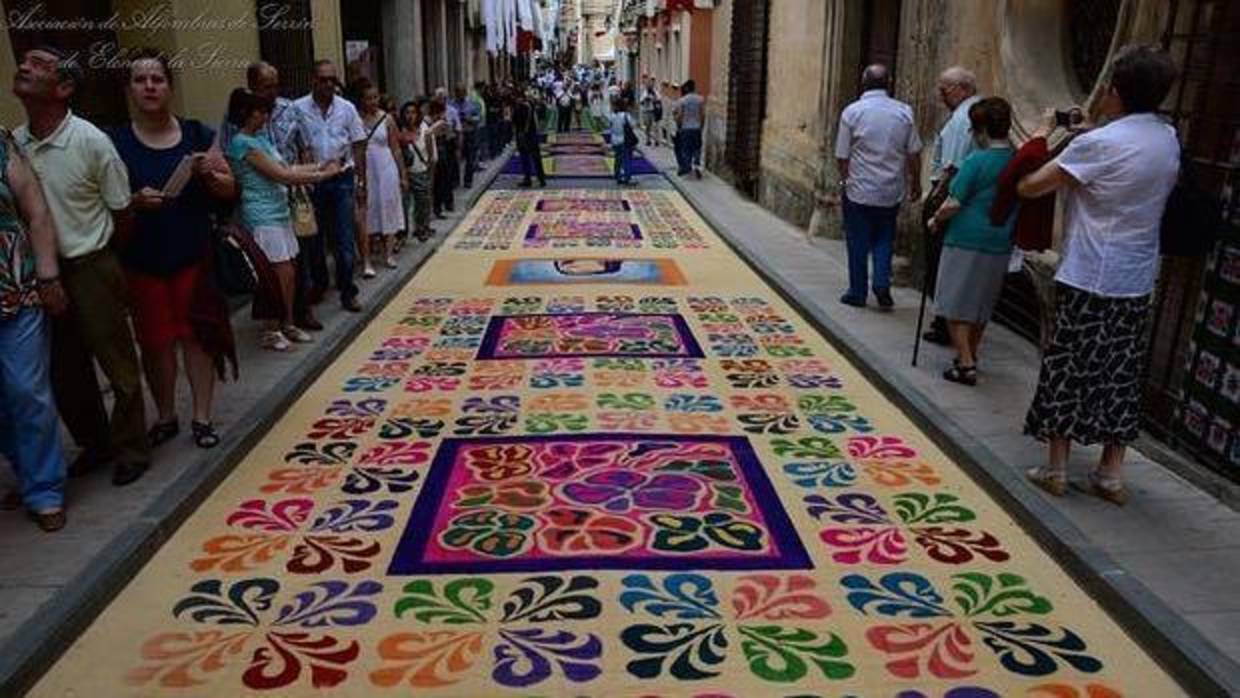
83	180
424	149
955	142
331	136
1124	171
876	137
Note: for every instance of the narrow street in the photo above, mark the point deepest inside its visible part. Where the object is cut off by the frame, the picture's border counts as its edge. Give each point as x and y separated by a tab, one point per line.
587	450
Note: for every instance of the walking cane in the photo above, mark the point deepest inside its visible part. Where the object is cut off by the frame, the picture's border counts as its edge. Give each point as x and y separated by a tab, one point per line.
938	194
921	315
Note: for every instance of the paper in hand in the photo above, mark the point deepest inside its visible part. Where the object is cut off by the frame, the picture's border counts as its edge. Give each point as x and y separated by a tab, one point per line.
180	177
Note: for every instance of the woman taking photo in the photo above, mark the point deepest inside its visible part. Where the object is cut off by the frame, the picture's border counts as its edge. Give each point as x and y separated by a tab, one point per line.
420	156
165	257
1115	181
385	179
264	179
975	253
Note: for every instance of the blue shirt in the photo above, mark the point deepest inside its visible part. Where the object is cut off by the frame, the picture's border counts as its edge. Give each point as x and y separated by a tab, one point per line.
264	201
974	186
955	142
618	119
176	235
471	113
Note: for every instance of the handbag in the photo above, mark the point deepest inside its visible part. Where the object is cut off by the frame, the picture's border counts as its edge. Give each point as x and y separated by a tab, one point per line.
234	274
302	212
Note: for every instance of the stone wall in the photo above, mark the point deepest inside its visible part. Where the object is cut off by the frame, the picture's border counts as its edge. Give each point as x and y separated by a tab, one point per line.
1016	48
715	136
790	146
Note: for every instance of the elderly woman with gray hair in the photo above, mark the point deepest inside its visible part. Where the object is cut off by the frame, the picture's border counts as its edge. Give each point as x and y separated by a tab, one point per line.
1115	180
975	251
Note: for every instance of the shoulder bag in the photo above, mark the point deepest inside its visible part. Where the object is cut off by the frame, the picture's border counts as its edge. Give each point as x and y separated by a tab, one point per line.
301	210
630	136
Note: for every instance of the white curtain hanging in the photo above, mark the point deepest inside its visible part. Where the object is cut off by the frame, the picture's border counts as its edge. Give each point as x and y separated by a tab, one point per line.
491	20
510	26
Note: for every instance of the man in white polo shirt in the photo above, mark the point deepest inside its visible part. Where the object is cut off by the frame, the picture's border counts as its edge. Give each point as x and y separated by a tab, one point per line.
87	190
876	148
335	133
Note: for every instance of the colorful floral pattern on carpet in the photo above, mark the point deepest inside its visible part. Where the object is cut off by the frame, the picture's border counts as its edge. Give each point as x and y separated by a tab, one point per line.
504	219
596	502
601	334
567	233
585	270
582	205
599	491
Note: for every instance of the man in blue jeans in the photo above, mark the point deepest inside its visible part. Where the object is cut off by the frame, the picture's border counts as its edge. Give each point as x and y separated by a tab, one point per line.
29	286
621	150
689	112
876	148
335	132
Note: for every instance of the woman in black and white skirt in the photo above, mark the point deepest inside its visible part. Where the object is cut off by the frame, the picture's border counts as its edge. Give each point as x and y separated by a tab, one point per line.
975	252
1115	180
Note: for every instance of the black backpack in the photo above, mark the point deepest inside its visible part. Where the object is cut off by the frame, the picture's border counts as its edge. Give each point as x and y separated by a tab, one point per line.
1192	220
630	136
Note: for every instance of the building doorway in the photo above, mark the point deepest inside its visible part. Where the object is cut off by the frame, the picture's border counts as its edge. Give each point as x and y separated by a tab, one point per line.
881	36
290	46
361	23
747	62
1192	391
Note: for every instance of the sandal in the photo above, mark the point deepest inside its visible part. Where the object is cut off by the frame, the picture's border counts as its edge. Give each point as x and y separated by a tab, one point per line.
163	432
1051	481
964	375
205	435
275	341
1110	489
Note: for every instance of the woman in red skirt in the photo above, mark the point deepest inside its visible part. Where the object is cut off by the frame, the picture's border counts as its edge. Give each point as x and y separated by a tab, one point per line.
165	258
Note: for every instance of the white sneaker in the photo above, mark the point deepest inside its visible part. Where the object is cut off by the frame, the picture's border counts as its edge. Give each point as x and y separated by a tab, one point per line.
368	272
275	341
390	262
296	334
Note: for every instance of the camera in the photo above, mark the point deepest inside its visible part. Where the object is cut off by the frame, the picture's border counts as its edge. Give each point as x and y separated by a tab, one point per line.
1068	117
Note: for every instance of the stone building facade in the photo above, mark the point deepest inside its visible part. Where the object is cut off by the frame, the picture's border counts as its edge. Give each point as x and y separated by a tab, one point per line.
407	46
1020	49
782	71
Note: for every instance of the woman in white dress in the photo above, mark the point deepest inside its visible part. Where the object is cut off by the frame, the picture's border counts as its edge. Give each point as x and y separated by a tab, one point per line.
596	105
386	182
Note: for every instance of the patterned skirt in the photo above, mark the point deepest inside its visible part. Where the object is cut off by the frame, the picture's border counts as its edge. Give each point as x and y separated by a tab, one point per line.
1089	390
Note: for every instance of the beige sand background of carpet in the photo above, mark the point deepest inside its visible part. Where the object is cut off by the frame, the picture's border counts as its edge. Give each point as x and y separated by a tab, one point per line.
602	489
